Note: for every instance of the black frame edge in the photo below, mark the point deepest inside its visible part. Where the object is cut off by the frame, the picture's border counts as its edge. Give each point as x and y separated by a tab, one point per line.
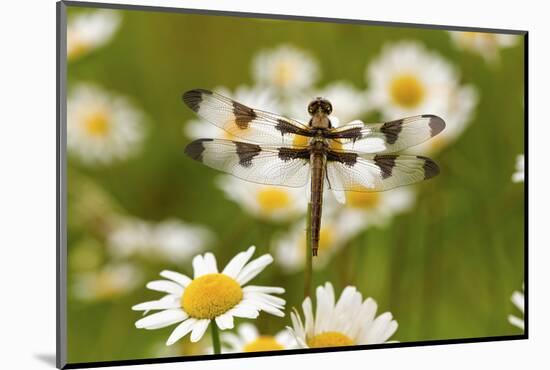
61	234
288	17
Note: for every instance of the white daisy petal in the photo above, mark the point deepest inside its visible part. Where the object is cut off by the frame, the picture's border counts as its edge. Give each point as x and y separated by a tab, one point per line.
198	330
181	279
516	321
181	330
165	286
308	315
518	300
244	311
297	325
199	267
234	266
161	319
157	305
391	328
210	262
263	289
225	321
378	327
252	269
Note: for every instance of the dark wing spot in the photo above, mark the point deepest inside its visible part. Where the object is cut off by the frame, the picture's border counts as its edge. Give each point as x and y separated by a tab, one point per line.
193	98
386	162
391	130
431	168
436	124
348	159
352	133
287	154
196	148
286	127
243	115
246	152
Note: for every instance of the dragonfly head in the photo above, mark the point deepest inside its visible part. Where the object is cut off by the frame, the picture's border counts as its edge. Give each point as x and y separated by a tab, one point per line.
319	106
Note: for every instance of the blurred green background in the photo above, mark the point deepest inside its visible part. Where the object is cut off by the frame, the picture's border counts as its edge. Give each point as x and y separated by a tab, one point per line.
445	269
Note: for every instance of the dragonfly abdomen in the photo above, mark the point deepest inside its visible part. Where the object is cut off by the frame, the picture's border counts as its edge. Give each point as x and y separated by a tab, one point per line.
318	161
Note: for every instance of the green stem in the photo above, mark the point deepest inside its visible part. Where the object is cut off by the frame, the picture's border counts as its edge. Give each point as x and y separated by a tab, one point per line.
215	338
309	255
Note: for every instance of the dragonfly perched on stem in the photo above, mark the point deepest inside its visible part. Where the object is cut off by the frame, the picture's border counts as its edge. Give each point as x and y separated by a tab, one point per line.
277	150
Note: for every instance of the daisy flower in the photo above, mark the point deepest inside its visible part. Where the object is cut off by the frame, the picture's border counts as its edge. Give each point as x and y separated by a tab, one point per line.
249	339
286	68
407	80
347	322
210	296
102	127
171	239
485	44
267	202
519	301
89	31
111	281
519	175
262	98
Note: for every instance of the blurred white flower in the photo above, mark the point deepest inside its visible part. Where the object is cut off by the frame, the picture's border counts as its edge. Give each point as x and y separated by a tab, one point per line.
285	68
348	103
347	322
102	127
267	202
262	98
289	248
486	44
519	301
90	30
171	240
210	296
519	175
248	339
107	283
407	80
365	209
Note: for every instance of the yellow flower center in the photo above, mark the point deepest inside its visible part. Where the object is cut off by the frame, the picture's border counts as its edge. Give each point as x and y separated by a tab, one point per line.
272	199
211	295
329	339
357	199
407	91
285	72
263	343
97	124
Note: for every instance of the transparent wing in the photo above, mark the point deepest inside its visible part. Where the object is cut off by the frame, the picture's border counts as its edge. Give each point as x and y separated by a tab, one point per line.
244	122
260	164
387	137
365	172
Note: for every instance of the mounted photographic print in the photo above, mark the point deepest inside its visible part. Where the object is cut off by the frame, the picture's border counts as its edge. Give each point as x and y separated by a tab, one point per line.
234	184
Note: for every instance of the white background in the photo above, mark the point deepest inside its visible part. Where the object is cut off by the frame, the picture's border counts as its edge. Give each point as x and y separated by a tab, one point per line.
27	182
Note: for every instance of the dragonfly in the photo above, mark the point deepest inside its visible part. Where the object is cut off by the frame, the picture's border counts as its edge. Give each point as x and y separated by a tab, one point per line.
275	150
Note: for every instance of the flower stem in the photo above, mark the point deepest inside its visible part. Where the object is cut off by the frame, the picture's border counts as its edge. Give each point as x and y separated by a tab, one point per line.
215	339
308	254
